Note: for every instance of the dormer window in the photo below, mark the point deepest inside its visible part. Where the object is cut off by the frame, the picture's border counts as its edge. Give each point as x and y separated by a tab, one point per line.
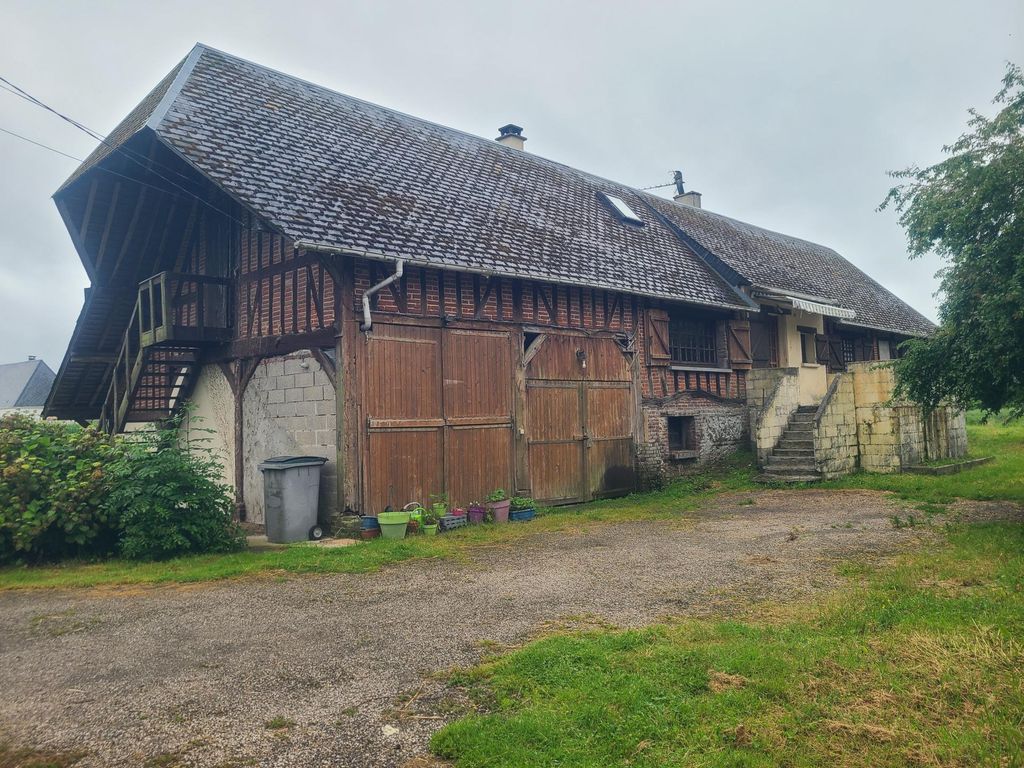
620	207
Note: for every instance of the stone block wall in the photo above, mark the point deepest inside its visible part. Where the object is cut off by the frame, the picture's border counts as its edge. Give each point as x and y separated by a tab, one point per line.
835	429
945	433
720	428
289	408
773	394
895	435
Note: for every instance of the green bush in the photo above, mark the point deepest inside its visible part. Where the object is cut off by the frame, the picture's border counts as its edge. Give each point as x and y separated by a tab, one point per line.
52	490
73	492
168	498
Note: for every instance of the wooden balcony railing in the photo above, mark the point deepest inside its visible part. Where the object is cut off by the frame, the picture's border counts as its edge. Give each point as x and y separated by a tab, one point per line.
174	316
179	307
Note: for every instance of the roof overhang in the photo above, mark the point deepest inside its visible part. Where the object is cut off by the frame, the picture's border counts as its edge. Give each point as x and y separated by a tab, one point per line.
829	310
816	304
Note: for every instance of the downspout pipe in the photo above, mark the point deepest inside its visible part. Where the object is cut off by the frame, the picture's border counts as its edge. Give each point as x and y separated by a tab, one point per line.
369	292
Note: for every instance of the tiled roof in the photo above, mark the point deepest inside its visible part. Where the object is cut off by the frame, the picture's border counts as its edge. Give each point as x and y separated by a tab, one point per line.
127	128
773	260
336	173
25	384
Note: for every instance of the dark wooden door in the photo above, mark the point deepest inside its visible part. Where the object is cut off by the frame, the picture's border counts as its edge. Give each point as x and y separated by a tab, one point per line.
579	412
439	413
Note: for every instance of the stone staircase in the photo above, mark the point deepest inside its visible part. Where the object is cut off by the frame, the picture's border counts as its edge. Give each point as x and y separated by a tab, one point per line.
792	460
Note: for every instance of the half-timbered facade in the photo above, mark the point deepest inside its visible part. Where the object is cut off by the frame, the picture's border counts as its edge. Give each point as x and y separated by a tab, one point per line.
431	311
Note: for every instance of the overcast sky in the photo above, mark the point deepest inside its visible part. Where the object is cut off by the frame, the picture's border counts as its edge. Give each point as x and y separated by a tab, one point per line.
783	114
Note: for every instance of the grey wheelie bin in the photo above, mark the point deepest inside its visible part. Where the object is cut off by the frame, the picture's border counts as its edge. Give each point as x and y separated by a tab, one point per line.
291	490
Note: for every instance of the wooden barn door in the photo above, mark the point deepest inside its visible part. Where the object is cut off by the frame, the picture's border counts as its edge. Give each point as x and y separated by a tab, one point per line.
478	409
439	410
405	416
579	413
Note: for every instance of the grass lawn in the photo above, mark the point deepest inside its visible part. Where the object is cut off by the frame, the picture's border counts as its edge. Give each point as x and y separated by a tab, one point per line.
1000	479
370	556
917	663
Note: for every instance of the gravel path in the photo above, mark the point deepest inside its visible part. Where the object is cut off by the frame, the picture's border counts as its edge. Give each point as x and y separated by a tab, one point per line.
190	675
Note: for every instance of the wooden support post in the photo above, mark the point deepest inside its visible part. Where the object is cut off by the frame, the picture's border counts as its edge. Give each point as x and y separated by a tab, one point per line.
238	378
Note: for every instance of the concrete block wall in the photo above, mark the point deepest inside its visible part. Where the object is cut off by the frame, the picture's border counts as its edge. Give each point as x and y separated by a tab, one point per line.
289	407
720	429
773	394
836	448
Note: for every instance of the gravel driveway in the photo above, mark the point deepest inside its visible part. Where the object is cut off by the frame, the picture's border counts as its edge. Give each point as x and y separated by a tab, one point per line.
190	675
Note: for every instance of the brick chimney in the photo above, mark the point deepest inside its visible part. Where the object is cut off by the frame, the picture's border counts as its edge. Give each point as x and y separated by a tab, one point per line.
511	136
683	197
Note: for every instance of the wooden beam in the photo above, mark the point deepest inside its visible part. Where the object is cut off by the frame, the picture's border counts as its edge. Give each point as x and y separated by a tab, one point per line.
140	203
105	237
327	364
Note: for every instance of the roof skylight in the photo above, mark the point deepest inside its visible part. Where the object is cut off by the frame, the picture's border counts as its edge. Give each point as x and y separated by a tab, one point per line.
620	207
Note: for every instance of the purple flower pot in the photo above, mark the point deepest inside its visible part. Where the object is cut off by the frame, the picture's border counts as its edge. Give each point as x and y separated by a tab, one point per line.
476	515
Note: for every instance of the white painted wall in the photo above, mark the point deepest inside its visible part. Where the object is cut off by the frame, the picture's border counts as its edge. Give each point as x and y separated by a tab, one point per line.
211	419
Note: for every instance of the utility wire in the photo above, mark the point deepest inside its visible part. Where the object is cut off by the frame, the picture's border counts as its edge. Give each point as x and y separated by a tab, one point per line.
140	182
139	159
113	147
39	144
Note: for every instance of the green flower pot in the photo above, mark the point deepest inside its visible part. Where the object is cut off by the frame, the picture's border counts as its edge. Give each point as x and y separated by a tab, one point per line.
393	524
430	530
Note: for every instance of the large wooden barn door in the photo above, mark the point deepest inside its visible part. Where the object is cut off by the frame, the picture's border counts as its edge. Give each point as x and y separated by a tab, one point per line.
579	408
439	411
478	409
405	417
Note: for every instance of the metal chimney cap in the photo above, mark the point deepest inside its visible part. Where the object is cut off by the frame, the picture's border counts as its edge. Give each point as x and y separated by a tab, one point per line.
510	130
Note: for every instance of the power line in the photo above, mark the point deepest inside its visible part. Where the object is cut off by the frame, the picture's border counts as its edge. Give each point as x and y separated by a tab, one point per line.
110	171
147	166
39	144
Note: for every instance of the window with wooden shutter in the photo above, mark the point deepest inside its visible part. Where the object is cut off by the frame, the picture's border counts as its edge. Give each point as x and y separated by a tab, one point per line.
739	344
658	350
821	348
836	357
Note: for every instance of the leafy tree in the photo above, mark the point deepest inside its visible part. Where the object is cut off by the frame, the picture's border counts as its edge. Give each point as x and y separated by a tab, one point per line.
969	209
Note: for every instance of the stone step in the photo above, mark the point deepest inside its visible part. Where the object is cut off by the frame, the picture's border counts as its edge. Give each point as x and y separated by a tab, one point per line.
800	426
792	442
807	409
791	461
802	416
783	478
793	452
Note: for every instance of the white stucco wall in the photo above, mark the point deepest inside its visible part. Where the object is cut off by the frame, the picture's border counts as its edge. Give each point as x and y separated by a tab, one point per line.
211	419
813	379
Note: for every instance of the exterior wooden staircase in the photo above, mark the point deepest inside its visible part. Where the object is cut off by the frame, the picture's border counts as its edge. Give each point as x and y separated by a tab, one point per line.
175	318
792	459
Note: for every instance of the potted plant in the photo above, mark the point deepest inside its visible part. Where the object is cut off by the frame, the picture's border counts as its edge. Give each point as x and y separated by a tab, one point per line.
393	525
498	504
522	508
439	504
415	511
430	520
476	513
